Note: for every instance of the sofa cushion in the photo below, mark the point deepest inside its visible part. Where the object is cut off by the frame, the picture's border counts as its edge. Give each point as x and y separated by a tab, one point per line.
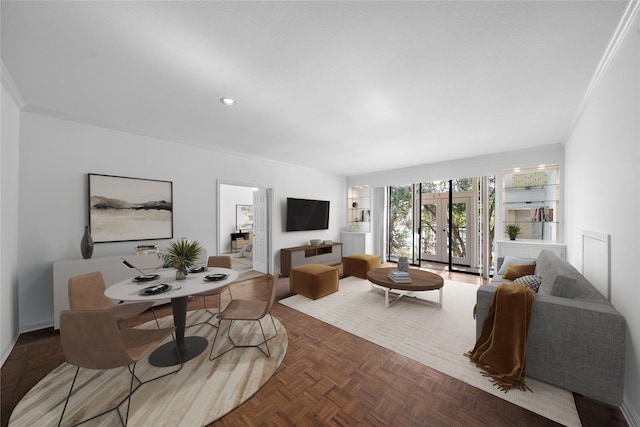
547	267
509	260
561	279
531	281
518	270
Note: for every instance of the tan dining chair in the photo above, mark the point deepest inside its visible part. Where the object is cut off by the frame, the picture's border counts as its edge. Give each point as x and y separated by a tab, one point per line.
86	292
92	339
249	310
222	261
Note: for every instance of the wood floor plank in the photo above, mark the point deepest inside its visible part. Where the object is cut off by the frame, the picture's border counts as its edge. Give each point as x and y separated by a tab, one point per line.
328	377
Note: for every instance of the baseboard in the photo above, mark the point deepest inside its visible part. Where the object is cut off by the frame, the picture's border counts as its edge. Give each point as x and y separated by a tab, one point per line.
36	327
8	349
629	413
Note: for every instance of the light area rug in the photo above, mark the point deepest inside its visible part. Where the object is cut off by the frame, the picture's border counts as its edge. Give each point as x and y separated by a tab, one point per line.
436	337
197	395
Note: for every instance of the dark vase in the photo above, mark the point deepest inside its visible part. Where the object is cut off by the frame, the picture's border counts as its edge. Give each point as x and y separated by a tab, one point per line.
86	244
512	236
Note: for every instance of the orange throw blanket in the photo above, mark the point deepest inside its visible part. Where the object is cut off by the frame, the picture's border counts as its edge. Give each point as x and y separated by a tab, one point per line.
502	347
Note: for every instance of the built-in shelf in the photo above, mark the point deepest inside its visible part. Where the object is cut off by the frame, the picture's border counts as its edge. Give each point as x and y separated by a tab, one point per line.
359	208
531	200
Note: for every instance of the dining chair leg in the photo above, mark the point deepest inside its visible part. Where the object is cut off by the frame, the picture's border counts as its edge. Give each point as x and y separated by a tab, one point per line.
212	314
68	396
155	317
131	390
234	345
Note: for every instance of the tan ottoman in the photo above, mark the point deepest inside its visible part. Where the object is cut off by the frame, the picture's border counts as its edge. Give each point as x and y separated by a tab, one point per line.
313	280
359	264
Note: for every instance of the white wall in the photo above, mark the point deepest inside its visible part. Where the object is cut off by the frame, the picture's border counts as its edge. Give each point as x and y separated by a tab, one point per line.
56	155
230	196
465	167
487	165
9	224
602	187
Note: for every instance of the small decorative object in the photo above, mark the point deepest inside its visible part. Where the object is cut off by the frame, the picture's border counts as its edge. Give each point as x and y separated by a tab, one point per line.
403	263
529	179
86	244
354	205
512	230
181	255
315	242
328	242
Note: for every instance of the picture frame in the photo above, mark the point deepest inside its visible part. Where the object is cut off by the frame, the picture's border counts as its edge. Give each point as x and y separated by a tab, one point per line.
244	217
123	209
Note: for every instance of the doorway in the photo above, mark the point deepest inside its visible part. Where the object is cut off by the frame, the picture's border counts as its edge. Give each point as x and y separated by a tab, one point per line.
238	238
434	228
439	224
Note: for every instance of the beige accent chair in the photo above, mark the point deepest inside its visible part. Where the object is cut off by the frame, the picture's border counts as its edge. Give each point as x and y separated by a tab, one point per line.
86	292
222	261
249	310
92	339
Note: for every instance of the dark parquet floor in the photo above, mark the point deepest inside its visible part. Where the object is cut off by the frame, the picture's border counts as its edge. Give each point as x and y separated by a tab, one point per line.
328	377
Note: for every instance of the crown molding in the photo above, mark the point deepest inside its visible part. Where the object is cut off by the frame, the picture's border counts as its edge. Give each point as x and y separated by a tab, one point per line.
10	86
622	30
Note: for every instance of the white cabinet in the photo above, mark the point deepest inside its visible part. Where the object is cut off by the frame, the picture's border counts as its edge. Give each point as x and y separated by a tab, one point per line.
112	268
356	243
359	209
528	248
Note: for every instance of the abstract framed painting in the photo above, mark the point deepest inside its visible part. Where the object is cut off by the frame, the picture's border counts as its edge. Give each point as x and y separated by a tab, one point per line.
244	217
125	209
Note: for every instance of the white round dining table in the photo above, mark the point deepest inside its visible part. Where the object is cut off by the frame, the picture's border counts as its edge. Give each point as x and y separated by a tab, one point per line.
195	283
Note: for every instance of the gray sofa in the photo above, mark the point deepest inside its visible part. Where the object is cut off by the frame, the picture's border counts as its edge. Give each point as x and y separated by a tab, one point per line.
576	337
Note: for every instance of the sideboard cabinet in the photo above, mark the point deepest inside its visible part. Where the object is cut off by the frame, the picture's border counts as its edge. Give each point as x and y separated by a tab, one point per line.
240	240
309	254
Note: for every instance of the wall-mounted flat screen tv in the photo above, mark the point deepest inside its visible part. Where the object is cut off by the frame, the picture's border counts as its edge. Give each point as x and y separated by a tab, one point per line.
305	214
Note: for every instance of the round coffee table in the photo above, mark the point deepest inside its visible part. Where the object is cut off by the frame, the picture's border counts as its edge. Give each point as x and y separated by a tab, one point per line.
420	281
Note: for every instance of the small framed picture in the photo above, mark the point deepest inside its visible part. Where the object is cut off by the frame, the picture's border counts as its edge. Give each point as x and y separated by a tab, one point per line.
244	217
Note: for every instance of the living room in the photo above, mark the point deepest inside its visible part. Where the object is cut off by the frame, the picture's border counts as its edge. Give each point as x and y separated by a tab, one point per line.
46	156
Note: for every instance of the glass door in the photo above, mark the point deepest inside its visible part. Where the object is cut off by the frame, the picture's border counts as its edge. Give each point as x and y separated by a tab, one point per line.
401	229
434	229
419	226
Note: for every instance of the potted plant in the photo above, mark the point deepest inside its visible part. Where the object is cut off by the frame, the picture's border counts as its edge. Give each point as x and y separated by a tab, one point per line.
181	255
512	230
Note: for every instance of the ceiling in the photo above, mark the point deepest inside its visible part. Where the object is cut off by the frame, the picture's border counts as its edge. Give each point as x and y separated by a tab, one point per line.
346	87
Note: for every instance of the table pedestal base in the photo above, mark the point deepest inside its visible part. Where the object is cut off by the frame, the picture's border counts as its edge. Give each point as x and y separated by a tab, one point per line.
166	355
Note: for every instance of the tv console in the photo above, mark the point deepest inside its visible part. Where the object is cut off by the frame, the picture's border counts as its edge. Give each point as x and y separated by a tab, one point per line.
309	254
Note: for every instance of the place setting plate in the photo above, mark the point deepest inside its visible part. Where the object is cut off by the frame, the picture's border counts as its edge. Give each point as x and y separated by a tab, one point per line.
216	277
155	289
198	269
146	277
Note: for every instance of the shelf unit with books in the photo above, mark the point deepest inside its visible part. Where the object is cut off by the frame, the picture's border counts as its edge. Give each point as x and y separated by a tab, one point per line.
531	200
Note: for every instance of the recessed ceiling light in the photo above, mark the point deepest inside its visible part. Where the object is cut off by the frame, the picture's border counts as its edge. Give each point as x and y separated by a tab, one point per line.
228	101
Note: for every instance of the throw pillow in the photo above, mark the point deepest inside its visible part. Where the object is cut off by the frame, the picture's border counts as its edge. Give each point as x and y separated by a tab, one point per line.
532	281
515	270
509	260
